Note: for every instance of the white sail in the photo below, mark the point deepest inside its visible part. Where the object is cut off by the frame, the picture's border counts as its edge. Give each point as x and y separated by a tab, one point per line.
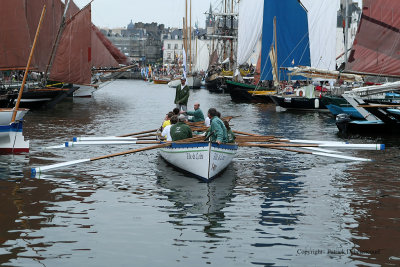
250	28
202	57
322	19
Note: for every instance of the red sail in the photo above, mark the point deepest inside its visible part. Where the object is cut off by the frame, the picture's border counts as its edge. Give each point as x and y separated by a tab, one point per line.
376	48
115	52
72	62
48	31
15	41
101	57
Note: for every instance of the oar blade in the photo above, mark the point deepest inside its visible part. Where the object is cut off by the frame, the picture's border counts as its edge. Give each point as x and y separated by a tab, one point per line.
331	155
38	170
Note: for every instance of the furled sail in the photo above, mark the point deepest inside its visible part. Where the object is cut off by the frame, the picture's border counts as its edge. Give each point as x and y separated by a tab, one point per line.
249	29
15	39
292	37
376	48
72	62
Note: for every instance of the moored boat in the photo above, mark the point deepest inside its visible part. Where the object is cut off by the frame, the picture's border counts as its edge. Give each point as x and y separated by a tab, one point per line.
161	80
241	92
11	137
205	160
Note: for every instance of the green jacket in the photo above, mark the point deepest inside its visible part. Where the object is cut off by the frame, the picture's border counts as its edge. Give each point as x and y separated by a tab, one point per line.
197	115
231	136
218	130
180	131
182	95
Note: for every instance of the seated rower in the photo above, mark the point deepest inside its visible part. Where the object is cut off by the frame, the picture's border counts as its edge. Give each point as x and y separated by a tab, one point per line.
230	134
166	121
217	131
166	133
180	130
197	114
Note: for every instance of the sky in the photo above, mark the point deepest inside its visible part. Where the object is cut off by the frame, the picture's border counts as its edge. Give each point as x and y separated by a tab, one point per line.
119	13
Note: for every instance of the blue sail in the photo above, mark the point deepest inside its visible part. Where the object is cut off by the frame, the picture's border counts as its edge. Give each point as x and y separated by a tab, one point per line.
293	44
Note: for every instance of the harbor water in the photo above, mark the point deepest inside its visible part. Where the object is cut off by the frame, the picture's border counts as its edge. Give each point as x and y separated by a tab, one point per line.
268	208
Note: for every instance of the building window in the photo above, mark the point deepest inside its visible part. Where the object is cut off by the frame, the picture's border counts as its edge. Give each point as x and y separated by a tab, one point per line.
169	46
182	46
169	55
176	46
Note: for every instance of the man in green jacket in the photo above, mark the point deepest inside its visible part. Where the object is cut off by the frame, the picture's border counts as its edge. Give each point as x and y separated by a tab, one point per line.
197	114
180	130
182	95
217	131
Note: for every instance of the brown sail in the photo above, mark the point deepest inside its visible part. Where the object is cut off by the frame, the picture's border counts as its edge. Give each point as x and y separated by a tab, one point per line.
376	48
72	62
101	57
15	39
49	29
115	52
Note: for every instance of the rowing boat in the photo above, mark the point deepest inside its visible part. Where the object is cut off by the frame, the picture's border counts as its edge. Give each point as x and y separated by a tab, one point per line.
205	160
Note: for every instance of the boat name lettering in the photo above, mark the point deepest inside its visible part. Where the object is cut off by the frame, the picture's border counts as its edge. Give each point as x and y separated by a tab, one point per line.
219	157
287	99
196	156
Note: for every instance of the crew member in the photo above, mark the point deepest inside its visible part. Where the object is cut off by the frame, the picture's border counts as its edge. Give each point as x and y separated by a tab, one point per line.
180	130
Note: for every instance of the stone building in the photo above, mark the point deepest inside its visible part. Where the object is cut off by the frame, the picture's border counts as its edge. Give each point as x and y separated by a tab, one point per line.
141	42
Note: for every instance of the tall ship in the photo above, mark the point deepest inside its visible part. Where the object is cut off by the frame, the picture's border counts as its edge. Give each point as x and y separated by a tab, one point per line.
222	28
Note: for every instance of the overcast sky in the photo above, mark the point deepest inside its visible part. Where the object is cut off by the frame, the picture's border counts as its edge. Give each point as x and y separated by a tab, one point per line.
118	13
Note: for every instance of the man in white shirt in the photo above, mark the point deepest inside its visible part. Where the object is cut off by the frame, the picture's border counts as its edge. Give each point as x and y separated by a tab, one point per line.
167	130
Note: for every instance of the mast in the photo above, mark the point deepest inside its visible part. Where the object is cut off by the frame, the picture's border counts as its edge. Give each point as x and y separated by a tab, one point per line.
231	40
14	115
346	30
190	38
186	27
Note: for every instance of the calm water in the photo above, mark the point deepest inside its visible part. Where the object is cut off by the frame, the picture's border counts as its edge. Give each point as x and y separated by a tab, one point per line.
269	208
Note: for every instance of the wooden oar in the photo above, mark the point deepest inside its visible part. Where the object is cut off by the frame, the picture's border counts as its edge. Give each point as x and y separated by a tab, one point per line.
39	170
244	133
322	154
108	138
255	139
341	146
143	132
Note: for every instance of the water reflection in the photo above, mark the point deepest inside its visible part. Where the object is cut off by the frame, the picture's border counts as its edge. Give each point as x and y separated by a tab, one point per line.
375	206
268	208
193	198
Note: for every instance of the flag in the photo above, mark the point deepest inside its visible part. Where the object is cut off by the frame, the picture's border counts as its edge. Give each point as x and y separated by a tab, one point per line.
184	63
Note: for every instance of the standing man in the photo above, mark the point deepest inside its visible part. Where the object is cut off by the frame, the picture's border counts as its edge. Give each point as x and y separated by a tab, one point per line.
217	131
182	95
197	114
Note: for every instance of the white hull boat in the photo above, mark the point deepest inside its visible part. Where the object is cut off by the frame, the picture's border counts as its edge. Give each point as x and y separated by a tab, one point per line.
6	115
205	160
11	137
85	91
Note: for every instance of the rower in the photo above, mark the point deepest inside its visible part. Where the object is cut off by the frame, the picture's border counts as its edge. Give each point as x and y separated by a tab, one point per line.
180	130
167	130
217	129
197	114
230	134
